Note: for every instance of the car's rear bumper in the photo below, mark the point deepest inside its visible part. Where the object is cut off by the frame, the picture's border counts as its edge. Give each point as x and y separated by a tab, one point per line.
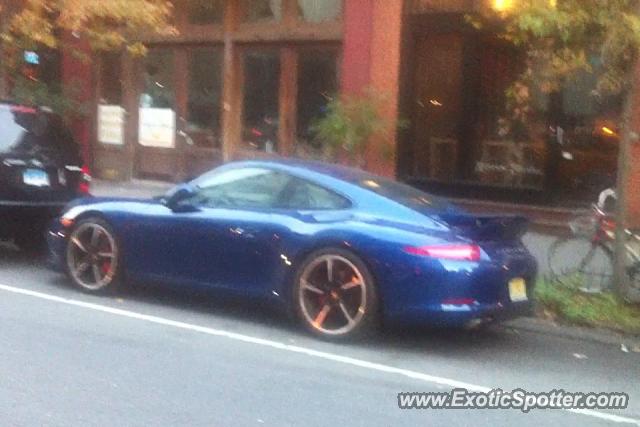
464	315
26	218
456	293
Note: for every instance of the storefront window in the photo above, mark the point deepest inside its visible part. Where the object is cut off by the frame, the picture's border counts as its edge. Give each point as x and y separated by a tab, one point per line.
317	84
262	10
320	11
111	79
159	89
206	12
205	93
261	100
157	117
584	144
468	138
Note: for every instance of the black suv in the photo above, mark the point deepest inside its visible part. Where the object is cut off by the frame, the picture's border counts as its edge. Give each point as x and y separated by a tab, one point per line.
41	170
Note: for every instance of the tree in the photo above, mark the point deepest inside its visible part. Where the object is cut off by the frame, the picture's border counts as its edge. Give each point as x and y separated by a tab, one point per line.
75	26
559	38
349	124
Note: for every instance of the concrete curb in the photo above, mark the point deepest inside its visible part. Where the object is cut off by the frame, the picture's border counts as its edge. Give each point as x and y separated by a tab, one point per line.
602	336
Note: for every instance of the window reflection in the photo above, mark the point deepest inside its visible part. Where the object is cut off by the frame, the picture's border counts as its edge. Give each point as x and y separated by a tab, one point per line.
158	80
467	131
111	79
317	83
320	11
206	12
262	10
261	97
205	94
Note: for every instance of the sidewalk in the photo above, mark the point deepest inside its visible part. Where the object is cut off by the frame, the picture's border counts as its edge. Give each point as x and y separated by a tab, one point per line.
544	219
626	343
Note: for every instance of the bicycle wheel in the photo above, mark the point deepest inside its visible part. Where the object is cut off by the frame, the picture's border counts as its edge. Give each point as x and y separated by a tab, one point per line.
580	263
633	259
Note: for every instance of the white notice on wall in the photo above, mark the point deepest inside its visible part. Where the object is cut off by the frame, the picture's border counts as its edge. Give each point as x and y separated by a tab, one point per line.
111	124
157	127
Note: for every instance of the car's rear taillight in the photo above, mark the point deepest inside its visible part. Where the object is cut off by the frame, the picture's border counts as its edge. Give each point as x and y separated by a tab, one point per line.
453	252
85	180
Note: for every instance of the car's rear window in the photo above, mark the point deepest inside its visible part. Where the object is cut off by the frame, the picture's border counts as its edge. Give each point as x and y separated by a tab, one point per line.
402	193
23	129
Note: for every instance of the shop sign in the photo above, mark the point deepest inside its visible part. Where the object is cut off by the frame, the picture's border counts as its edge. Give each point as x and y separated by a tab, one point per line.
111	124
157	127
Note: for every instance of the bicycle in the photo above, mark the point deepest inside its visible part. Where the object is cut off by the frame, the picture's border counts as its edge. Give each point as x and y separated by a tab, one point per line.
585	259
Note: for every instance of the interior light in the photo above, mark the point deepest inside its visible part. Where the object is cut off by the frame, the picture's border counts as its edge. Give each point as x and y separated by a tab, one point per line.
608	131
371	183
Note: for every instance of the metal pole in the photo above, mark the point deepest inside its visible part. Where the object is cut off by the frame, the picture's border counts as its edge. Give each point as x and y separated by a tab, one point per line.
629	137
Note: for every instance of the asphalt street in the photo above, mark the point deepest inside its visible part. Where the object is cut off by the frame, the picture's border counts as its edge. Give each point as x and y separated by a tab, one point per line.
153	356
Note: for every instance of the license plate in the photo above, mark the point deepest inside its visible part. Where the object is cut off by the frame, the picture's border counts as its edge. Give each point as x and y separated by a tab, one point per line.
518	289
36	178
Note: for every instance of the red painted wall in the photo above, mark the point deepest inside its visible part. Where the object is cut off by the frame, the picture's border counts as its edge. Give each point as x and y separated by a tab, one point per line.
78	81
372	43
358	37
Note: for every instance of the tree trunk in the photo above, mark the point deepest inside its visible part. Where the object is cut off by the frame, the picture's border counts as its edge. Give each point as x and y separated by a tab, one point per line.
629	138
4	91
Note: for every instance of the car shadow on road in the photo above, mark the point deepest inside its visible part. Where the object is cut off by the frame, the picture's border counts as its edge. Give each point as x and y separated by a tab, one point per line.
232	309
11	256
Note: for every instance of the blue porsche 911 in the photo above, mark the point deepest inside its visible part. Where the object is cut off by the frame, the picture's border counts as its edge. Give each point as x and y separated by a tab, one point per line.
344	250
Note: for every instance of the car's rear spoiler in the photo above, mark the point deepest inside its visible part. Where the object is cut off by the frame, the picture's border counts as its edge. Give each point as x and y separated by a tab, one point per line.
486	228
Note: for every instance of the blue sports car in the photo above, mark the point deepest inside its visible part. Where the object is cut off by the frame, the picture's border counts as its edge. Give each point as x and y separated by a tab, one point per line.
344	250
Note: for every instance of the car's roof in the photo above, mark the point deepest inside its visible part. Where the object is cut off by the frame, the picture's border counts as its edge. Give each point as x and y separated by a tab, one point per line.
373	193
336	171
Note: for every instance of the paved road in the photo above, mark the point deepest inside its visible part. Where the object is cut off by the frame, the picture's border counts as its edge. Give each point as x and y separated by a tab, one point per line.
159	357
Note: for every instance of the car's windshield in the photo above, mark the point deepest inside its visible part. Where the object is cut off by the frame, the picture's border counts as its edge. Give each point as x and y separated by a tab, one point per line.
15	123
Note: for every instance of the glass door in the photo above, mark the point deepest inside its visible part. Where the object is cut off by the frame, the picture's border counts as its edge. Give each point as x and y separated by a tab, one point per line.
156	153
200	119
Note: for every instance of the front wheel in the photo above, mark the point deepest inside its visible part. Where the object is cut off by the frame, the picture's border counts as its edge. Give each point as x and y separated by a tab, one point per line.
93	257
579	262
335	296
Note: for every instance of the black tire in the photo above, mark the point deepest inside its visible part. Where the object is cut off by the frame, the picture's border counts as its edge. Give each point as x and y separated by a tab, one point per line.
342	298
109	274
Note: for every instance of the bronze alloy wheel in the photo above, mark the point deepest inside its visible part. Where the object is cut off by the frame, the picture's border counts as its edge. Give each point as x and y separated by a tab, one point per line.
335	296
92	256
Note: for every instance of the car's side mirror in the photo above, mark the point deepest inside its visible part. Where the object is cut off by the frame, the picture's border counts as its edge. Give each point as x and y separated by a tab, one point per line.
175	198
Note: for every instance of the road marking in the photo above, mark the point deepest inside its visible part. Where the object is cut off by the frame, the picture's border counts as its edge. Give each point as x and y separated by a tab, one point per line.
442	381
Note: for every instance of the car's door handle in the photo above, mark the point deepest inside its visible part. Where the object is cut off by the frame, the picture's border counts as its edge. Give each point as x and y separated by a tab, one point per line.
237	230
243	232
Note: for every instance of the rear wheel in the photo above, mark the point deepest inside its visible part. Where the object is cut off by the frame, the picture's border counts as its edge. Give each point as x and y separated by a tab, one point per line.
335	296
93	256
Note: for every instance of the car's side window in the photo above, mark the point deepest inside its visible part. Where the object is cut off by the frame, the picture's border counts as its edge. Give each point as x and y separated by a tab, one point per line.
246	188
305	195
